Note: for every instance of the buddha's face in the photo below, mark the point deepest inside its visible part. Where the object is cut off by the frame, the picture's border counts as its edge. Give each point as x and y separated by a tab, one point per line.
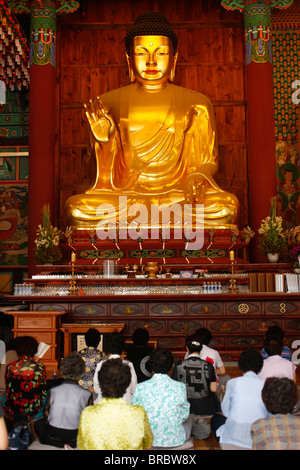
152	61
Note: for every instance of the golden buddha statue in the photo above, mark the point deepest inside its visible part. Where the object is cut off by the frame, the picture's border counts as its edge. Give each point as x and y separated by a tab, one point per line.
154	143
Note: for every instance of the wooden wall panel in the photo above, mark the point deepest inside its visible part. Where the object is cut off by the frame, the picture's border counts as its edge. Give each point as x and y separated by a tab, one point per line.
217	82
81	84
75	168
230	123
92	47
220	45
74	126
91	60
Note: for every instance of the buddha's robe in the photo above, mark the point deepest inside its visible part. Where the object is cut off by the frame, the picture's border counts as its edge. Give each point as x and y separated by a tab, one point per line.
153	161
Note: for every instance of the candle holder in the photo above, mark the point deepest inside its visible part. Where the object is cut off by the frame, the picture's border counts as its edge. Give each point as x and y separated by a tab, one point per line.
72	282
233	287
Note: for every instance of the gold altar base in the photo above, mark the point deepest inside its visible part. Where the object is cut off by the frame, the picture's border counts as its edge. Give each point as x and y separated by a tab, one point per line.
216	249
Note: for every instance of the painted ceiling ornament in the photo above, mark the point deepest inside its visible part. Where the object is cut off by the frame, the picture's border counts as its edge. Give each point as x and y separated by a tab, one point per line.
257	20
25	6
43	25
233	4
43	35
240	4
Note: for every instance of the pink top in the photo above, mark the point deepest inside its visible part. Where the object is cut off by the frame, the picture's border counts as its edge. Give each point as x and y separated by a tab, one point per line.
277	366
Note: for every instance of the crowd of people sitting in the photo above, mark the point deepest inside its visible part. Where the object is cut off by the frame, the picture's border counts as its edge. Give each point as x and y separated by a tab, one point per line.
139	397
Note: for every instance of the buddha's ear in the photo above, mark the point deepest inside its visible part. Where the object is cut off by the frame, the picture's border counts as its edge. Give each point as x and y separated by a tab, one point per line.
130	68
172	73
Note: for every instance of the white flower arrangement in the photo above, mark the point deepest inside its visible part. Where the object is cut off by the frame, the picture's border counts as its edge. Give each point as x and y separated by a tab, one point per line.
48	239
273	237
268	224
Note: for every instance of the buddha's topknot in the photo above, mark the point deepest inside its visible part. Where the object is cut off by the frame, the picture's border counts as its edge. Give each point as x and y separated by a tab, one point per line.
151	23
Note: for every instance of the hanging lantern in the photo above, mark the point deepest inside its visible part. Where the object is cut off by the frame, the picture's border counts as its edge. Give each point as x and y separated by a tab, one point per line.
14	51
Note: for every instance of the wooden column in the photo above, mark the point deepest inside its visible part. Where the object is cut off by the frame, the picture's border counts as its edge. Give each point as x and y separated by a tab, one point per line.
41	120
260	117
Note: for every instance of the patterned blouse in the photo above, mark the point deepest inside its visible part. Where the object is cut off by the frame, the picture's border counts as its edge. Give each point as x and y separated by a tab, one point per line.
25	389
114	424
92	357
165	402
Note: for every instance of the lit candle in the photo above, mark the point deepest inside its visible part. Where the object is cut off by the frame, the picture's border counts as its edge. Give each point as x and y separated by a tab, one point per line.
231	255
73	257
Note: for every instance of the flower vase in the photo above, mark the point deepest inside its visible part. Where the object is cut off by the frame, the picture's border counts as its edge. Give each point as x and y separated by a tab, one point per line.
273	257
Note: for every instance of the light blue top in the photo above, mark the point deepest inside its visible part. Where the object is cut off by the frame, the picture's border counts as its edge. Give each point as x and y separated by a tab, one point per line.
166	405
242	405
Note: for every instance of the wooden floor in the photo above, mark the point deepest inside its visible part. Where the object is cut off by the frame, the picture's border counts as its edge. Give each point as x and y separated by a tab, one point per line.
207	444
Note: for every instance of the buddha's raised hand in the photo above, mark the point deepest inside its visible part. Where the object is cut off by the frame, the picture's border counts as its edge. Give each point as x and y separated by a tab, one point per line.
101	123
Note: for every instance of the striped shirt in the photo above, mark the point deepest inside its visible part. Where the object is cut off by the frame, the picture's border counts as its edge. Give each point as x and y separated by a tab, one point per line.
285	353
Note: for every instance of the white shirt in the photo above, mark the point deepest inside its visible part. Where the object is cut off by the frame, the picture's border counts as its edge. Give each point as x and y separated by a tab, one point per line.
130	389
242	405
210	355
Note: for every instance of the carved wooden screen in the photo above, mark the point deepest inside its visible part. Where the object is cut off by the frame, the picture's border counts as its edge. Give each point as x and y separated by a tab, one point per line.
91	60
